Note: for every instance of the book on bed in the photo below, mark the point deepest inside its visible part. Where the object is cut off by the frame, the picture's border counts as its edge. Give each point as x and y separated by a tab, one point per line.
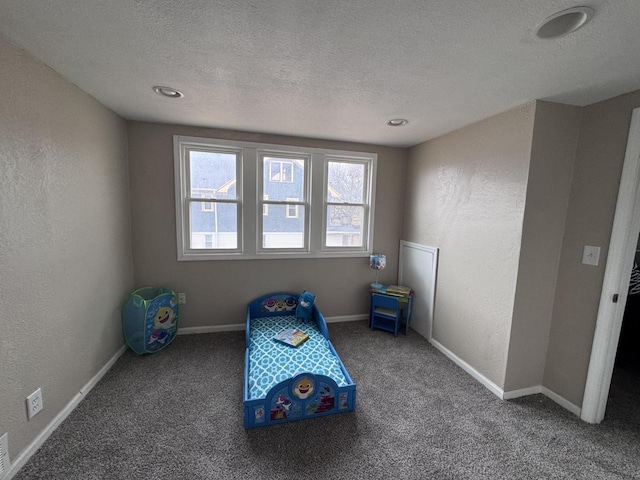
292	336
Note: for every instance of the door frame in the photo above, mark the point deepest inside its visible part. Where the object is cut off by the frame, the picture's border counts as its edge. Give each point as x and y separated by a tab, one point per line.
429	276
624	238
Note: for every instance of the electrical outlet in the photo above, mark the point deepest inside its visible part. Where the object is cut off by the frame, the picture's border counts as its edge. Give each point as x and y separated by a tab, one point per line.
4	455
182	298
34	403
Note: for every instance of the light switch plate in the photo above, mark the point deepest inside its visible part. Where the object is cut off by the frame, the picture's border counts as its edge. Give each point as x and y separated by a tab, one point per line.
591	255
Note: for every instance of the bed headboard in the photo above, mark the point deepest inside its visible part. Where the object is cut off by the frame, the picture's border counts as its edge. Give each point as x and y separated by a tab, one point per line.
281	303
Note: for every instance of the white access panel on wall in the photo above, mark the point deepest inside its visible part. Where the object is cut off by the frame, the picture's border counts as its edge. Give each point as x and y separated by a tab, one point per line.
417	269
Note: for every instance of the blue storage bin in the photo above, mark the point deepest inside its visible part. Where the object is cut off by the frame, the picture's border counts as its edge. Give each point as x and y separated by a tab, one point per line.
150	319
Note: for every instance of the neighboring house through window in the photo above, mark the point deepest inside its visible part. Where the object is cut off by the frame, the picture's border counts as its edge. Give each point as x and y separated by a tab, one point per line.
345	201
210	204
280	171
245	200
208	240
292	210
286	227
204	193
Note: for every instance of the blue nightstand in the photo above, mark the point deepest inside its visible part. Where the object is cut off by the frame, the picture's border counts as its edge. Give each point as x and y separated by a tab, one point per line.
389	307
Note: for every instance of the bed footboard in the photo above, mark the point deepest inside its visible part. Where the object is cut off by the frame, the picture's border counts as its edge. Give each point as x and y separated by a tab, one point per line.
304	396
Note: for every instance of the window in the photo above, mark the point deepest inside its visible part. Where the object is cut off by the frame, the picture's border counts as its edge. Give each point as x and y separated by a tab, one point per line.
204	193
210	173
346	202
292	210
286	229
280	171
243	200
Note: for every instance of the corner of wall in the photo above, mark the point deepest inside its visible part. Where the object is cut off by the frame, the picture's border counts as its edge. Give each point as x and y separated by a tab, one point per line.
553	145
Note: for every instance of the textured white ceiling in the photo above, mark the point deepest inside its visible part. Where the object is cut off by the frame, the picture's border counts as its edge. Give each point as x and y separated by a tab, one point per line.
335	69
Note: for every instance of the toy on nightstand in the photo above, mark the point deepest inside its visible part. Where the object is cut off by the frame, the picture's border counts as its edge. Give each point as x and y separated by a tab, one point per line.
305	305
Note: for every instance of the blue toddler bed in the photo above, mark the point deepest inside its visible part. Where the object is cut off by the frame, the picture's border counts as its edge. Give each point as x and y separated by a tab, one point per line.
284	383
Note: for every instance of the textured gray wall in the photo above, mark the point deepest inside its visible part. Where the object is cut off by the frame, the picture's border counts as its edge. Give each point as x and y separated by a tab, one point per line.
218	290
466	195
65	240
555	136
571	201
594	192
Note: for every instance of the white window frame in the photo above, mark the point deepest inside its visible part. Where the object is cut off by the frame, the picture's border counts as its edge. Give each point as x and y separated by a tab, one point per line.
367	203
296	208
282	163
280	157
205	193
184	198
252	205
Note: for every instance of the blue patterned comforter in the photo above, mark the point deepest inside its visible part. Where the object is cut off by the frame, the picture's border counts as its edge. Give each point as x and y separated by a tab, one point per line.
271	362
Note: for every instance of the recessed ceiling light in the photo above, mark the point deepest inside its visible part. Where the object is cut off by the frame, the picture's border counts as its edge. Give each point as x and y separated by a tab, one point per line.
168	92
564	22
397	122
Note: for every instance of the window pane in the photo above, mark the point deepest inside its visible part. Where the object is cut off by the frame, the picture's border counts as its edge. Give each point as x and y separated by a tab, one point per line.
213	174
283	178
345	182
282	231
215	228
344	226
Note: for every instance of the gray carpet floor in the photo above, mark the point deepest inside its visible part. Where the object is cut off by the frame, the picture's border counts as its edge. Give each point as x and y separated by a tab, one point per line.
177	414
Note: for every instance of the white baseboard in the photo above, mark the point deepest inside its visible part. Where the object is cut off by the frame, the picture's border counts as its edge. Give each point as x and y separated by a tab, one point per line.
493	388
563	402
347	318
550	394
499	392
211	329
241	326
98	376
522	392
26	454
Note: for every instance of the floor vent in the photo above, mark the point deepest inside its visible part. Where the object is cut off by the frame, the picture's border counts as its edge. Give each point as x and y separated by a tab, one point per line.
4	455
